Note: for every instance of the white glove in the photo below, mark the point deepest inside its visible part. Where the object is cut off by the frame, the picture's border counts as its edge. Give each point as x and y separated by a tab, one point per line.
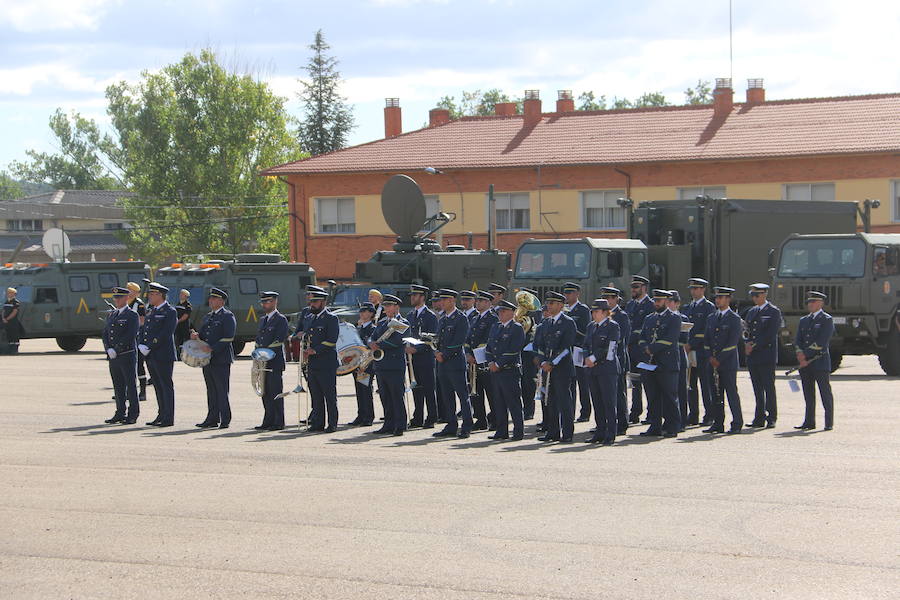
110	352
144	349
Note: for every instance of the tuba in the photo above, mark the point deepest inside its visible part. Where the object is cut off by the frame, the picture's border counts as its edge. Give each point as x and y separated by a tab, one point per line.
258	369
527	303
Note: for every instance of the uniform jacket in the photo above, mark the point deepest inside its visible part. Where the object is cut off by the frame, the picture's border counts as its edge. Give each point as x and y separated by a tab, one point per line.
14	327
480	329
659	335
621	317
683	338
323	329
121	331
763	324
559	337
581	314
393	347
427	321
637	312
698	313
813	337
722	335
272	332
158	332
597	342
537	339
504	345
301	319
452	333
217	330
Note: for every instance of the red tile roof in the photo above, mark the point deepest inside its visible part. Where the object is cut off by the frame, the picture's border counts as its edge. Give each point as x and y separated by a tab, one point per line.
819	126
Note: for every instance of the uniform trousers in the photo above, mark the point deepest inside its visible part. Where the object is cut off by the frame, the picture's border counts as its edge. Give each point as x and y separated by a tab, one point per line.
528	384
763	379
727	385
161	372
392	387
483	387
323	392
273	408
584	391
683	394
453	383
508	402
218	380
622	400
123	371
810	379
560	421
637	407
604	380
365	409
700	387
424	401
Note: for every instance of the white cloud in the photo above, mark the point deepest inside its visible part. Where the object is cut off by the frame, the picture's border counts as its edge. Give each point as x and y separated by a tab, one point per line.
23	81
49	15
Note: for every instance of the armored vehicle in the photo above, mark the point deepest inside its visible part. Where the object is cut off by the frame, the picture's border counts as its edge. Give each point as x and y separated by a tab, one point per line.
860	273
242	277
67	300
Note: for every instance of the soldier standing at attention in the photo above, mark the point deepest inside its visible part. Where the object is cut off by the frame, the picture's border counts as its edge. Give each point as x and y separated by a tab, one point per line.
451	358
637	308
557	340
504	348
700	381
391	368
659	341
674	305
498	293
272	333
322	329
537	345
813	337
183	310
119	337
467	305
436	307
217	330
612	296
156	342
365	409
581	314
136	303
11	320
422	319
479	330
763	321
723	331
602	364
529	368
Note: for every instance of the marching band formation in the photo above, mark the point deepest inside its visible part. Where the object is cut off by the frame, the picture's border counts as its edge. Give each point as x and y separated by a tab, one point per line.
476	361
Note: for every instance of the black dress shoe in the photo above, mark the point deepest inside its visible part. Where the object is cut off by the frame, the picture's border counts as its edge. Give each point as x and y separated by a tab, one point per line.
463	435
153	422
582	419
444	433
652	432
366	424
498	436
275	428
714	429
316	429
565	440
829	427
165	424
479	426
382	430
354	422
330	429
115	420
528	417
734	430
397	432
805	426
755	425
517	437
594	439
428	425
634	419
258	427
770	425
129	421
540	428
645	421
669	434
414	423
622	431
223	426
548	438
608	442
205	425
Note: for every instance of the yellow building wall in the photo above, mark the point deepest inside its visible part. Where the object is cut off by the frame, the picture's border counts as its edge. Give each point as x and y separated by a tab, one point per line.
862	189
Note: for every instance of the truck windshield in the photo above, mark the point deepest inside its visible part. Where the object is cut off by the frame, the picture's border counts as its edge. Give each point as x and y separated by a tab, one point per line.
563	260
823	257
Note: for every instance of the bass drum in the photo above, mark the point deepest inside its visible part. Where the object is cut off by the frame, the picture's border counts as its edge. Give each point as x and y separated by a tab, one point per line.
196	353
350	349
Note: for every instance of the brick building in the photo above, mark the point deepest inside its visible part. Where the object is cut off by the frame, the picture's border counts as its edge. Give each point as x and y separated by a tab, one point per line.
559	174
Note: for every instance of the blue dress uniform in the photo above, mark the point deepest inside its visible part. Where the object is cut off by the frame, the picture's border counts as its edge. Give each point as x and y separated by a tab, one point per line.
452	332
365	409
323	329
158	337
723	332
659	343
529	369
217	329
479	330
273	331
763	323
700	381
814	334
390	371
601	346
557	340
119	337
11	324
581	314
621	318
420	320
504	348
438	390
140	309
537	345
637	311
683	363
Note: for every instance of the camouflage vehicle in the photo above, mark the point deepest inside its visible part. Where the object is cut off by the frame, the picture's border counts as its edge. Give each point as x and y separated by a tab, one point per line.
242	277
67	300
860	273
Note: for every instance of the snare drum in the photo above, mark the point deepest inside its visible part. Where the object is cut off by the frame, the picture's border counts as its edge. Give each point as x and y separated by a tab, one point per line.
350	349
196	353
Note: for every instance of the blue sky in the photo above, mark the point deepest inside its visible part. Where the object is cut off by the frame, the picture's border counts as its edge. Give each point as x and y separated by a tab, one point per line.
63	53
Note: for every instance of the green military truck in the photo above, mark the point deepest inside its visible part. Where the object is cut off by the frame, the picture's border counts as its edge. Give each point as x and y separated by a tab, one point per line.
67	300
860	273
242	277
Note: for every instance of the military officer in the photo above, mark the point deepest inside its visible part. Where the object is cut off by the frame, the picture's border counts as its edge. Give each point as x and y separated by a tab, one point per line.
119	341
498	293
617	313
557	340
637	308
273	331
812	341
538	350
700	380
391	368
136	303
421	319
217	330
504	350
322	327
529	367
436	307
479	330
451	358
365	409
659	343
602	365
723	332
10	318
156	342
581	314
467	305
674	305
761	347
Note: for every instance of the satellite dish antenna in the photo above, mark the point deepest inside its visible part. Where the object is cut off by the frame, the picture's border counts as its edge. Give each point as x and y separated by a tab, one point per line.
56	244
403	206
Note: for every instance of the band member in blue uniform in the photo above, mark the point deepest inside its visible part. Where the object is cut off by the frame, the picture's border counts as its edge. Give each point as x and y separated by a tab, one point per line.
365	409
504	350
557	340
659	343
674	305
437	308
136	304
617	313
119	337
451	358
538	351
529	367
723	332
602	364
813	338
498	293
391	369
581	314
637	308
761	347
479	329
156	342
273	331
322	327
700	380
10	321
422	320
467	305
217	330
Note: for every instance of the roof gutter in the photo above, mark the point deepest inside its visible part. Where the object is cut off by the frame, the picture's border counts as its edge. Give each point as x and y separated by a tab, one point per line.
293	213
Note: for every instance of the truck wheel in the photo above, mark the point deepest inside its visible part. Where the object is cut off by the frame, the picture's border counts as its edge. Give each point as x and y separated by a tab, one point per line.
836	358
238	347
71	343
889	358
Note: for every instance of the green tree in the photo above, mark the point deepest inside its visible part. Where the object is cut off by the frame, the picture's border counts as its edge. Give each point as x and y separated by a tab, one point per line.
701	94
449	103
328	118
587	101
9	187
477	103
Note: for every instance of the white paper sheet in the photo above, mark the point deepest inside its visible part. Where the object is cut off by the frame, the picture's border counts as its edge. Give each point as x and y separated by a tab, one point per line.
577	356
792	383
646	366
480	355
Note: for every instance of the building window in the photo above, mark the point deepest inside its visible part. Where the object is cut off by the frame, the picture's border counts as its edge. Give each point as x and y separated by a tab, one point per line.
808	191
691	193
24	225
895	199
600	210
336	215
247	286
79	283
108	281
513	211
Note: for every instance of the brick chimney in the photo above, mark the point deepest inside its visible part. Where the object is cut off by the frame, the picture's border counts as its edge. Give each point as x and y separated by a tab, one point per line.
564	101
505	109
393	123
756	93
438	116
723	97
532	107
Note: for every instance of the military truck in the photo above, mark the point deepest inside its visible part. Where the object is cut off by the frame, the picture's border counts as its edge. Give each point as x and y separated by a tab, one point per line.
67	300
860	273
242	277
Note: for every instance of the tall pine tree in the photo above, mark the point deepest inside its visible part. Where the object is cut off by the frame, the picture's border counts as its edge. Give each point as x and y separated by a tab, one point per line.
328	118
